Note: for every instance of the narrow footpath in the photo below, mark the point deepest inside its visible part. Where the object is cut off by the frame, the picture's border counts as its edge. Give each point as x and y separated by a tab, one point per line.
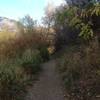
48	87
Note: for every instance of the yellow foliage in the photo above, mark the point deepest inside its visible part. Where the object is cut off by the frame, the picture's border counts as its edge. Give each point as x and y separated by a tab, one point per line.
51	50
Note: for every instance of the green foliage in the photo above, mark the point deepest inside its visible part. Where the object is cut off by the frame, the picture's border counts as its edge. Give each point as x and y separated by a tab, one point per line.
63	14
31	61
12	81
72	22
16	73
96	10
85	28
86	32
64	33
75	22
91	10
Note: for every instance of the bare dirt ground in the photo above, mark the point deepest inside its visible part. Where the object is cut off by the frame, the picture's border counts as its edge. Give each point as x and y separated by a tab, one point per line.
48	87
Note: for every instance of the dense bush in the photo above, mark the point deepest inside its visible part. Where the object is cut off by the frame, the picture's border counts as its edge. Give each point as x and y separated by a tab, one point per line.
16	73
20	61
75	21
12	81
65	34
31	61
81	72
80	68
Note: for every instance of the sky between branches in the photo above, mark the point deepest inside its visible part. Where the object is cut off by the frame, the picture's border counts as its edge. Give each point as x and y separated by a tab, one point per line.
16	9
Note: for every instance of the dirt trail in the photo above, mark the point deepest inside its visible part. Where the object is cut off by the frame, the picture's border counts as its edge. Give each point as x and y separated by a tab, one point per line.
48	87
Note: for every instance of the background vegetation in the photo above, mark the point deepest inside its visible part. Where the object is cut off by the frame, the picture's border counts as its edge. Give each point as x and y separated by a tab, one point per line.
20	59
77	28
73	30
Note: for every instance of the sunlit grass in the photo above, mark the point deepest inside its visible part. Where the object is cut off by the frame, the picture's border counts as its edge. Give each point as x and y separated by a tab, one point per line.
4	35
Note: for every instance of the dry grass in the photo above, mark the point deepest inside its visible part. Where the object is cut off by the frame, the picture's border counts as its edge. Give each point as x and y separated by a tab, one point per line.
81	72
17	56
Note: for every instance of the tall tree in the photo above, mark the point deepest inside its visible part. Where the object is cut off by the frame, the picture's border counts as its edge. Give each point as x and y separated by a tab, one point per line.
47	19
28	23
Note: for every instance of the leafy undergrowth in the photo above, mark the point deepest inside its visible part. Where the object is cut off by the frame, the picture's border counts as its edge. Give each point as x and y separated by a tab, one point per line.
20	61
80	71
16	74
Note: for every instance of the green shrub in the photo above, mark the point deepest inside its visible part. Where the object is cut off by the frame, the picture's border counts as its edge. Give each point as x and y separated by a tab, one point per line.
12	82
16	73
31	61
